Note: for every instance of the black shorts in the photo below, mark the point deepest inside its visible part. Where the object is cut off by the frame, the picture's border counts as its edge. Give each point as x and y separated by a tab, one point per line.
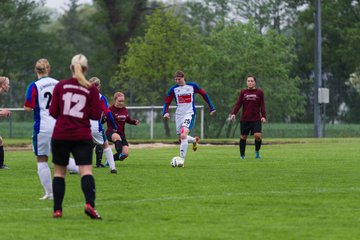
247	128
82	151
123	138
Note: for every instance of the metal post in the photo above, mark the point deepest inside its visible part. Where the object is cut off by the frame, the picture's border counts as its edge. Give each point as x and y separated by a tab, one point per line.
152	123
318	129
202	123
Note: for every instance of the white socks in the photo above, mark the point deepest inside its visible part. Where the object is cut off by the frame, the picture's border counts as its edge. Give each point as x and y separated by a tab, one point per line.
183	147
109	157
72	166
191	139
45	176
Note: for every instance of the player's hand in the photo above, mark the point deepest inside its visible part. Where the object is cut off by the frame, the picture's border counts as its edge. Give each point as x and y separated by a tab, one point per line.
213	113
166	116
5	112
263	120
137	122
233	117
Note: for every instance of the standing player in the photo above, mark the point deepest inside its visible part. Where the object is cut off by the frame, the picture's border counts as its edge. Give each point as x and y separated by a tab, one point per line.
253	114
97	130
185	113
38	97
4	87
121	116
75	101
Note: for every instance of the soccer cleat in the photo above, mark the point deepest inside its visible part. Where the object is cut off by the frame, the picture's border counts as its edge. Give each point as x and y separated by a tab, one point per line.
4	167
195	144
114	171
91	212
47	196
72	172
257	154
122	156
100	165
242	156
57	214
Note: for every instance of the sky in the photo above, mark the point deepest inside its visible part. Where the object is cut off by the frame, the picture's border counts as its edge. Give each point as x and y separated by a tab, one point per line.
58	4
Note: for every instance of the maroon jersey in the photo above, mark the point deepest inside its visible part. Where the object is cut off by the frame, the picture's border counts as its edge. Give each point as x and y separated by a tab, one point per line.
252	102
72	106
121	117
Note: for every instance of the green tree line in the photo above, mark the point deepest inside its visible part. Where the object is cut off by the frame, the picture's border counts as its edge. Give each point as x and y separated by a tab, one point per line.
135	46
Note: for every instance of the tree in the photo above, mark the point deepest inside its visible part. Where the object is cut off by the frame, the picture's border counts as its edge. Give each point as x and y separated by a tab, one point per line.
340	48
239	49
21	43
147	69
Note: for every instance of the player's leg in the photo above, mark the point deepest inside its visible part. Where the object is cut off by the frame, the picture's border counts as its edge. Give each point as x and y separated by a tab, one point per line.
98	153
82	152
125	149
184	142
44	174
41	147
2	165
72	167
61	154
258	138
244	132
109	157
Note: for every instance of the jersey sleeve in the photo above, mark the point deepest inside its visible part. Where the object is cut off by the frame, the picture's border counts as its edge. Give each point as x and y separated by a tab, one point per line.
31	96
238	104
168	99
54	109
204	95
262	102
106	110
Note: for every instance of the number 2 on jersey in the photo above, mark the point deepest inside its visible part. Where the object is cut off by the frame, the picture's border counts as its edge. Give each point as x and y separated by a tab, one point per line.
75	110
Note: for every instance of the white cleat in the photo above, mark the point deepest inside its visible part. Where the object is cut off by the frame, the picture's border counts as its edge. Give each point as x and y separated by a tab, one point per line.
48	196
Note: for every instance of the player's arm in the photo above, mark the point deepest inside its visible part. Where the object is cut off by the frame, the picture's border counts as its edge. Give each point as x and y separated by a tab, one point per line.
30	97
54	109
168	99
237	106
263	110
206	97
107	113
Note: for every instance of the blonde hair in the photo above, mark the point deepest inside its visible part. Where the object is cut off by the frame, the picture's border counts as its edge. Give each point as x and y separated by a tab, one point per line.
42	66
79	66
95	80
118	94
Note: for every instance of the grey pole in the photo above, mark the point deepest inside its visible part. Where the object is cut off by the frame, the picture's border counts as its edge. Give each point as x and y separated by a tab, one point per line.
318	129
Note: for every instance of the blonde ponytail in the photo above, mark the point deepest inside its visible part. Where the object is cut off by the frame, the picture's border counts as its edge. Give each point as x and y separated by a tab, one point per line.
79	66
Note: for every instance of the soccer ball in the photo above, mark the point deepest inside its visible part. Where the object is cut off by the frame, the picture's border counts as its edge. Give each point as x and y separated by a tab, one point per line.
177	162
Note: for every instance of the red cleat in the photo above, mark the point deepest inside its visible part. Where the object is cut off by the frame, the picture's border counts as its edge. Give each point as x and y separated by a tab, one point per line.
91	212
57	214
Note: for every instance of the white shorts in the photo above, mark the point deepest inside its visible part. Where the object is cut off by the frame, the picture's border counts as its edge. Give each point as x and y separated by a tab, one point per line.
42	143
98	137
187	120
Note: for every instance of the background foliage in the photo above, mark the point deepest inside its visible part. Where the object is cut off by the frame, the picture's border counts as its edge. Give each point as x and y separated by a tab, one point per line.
136	46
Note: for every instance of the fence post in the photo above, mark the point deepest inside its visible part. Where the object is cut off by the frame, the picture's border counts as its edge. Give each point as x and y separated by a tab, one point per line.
202	123
152	123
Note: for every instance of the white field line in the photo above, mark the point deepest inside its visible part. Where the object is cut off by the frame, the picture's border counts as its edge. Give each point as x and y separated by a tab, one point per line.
177	198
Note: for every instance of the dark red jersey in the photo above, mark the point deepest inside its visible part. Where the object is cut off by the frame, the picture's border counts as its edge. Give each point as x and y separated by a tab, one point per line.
73	106
252	103
121	117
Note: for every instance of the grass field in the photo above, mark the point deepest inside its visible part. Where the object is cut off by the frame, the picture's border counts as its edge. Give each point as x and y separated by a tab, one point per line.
307	190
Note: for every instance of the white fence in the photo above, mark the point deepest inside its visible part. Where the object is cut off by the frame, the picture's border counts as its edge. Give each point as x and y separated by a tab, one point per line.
149	115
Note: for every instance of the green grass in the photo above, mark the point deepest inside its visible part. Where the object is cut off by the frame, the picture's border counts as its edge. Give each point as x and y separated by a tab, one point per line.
307	189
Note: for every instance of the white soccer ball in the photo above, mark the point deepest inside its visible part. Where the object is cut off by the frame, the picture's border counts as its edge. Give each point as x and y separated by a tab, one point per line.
177	162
